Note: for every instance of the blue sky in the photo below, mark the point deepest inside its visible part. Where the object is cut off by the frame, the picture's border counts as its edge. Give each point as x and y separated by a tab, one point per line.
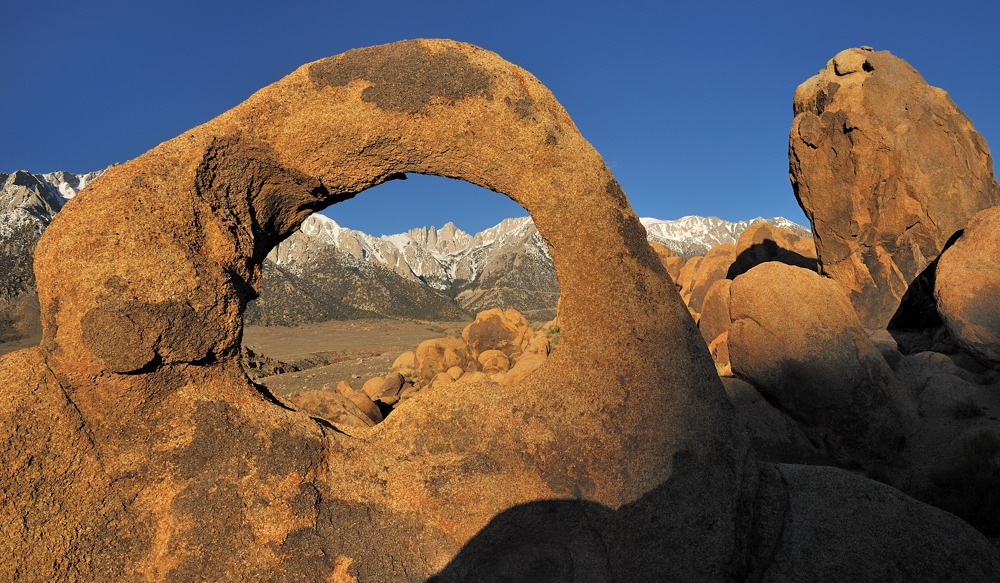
689	103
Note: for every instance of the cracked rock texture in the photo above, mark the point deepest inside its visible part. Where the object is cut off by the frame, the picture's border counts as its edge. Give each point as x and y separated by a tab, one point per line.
887	169
136	449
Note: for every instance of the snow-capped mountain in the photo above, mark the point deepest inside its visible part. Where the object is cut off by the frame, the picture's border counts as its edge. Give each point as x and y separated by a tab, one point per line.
443	258
505	266
36	198
450	257
692	235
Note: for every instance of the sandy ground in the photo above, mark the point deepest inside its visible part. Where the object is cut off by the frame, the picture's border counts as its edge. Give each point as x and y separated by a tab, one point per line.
330	352
30	341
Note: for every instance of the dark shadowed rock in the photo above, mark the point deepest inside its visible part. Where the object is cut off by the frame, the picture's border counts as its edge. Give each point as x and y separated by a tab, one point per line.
774	435
887	168
796	338
831	514
802	519
967	287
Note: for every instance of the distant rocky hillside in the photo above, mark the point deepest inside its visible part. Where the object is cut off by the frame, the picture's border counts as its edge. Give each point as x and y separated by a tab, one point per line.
27	204
308	280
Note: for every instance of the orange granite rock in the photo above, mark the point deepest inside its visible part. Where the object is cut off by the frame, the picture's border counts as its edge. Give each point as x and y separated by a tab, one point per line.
887	168
137	449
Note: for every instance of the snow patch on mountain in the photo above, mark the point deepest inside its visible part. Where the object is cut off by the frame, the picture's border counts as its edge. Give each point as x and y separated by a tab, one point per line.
693	235
31	200
441	258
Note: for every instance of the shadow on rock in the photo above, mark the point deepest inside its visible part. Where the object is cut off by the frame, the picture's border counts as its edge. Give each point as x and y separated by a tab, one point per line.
768	250
786	516
547	540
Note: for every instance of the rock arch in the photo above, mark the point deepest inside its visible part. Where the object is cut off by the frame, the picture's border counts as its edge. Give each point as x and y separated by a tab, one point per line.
143	280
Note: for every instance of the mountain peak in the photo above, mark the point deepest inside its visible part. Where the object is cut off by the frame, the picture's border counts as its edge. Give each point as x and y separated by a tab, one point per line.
41	195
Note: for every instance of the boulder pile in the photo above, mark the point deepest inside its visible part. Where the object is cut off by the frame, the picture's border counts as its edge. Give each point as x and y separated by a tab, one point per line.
499	347
796	338
704	281
877	349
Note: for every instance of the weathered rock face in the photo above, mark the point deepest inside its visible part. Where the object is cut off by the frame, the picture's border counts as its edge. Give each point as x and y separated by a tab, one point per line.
967	287
142	282
715	318
796	338
887	168
136	448
762	242
671	262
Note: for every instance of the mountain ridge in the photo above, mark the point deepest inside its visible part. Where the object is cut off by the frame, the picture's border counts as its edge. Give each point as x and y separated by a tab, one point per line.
327	271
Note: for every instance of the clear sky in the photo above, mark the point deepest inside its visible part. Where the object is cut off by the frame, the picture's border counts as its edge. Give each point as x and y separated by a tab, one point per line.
689	103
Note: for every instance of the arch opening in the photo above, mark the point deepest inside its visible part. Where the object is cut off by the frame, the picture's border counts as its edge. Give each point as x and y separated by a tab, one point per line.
338	306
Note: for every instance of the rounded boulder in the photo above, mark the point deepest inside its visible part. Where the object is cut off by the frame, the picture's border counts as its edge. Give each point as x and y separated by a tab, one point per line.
796	338
496	329
763	242
967	287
